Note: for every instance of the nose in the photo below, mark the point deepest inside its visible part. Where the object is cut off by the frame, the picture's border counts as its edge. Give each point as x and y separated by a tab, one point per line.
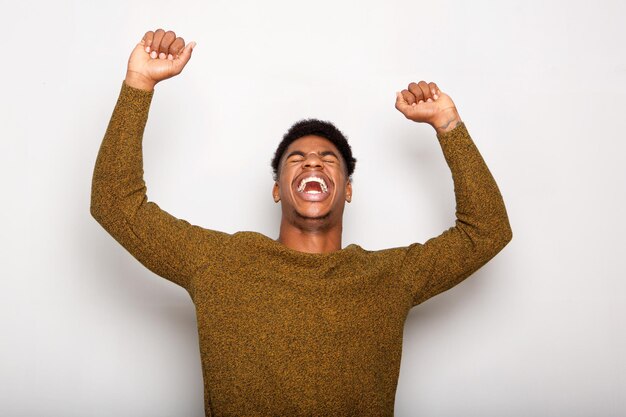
313	161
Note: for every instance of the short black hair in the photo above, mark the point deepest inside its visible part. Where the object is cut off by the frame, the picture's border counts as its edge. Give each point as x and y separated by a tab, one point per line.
316	127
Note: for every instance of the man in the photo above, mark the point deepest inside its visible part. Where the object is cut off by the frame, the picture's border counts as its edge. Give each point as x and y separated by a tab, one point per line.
299	325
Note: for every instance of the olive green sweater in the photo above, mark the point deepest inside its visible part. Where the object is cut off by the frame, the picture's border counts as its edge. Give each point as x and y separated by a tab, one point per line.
286	333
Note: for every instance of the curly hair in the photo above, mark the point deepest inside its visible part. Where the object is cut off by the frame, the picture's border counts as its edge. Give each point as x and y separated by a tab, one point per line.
316	127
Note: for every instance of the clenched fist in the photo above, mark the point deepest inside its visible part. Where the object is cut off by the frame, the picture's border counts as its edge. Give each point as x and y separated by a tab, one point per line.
423	102
159	55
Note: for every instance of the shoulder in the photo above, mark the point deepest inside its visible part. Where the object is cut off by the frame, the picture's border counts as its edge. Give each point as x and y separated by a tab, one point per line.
389	258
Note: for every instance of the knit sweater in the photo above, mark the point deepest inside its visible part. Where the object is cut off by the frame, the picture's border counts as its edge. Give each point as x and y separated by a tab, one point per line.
287	333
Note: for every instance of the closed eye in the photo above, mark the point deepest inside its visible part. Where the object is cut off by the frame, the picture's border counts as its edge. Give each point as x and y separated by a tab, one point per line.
329	157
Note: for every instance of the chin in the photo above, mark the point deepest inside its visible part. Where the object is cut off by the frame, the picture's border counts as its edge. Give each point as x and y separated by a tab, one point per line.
313	215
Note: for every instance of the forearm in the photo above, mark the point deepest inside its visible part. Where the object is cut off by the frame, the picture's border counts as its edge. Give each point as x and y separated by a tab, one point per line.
117	185
480	210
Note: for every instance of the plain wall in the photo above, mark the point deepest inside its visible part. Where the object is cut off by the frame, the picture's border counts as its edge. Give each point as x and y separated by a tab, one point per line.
539	331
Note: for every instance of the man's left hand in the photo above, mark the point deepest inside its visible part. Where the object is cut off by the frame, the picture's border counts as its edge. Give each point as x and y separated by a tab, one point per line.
424	103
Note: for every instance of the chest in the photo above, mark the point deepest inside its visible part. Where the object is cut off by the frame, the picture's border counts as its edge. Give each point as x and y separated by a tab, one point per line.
331	304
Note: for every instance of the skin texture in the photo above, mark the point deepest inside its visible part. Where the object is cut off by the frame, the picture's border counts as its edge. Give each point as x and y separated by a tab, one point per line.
306	226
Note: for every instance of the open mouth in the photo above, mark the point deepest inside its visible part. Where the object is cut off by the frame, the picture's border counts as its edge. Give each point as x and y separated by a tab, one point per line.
313	188
313	185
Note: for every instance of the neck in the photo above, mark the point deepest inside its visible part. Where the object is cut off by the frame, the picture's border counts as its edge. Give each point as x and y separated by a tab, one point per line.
310	239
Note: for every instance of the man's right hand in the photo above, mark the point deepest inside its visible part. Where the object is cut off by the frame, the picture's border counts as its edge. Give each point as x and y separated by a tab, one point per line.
159	55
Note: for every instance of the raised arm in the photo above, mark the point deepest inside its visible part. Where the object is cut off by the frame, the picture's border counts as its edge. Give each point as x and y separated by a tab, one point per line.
170	247
482	227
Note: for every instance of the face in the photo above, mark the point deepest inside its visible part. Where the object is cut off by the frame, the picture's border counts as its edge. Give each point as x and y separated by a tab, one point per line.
312	182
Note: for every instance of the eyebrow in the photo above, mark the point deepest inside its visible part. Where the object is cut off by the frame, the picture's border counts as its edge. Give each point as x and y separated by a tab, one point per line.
300	153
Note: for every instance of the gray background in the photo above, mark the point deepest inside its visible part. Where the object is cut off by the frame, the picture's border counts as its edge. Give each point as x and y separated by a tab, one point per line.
539	331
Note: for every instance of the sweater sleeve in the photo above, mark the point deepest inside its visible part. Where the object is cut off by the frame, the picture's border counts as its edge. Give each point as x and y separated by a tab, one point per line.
170	247
481	229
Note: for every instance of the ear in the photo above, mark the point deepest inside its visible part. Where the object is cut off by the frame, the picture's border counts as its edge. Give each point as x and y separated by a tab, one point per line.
349	191
276	193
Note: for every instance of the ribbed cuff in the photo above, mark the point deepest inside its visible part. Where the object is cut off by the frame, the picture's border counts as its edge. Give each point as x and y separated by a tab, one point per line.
137	96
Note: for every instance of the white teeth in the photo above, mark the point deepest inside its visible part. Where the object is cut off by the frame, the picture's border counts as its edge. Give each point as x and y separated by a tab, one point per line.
319	180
